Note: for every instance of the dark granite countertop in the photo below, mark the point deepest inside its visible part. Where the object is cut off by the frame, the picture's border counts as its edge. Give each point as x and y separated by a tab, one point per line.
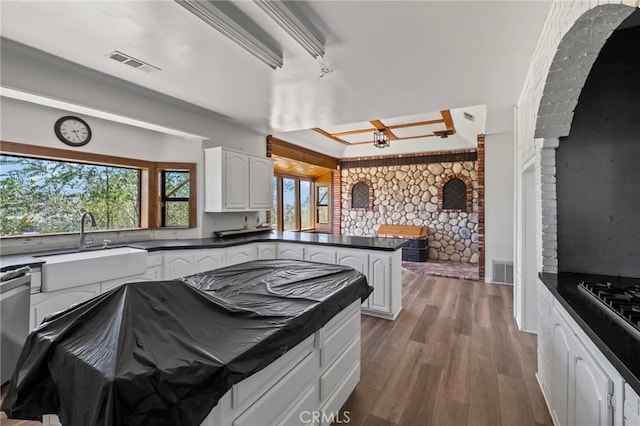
620	348
367	243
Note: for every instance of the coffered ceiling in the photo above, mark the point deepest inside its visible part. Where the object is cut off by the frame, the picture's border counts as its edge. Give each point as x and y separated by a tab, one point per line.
392	61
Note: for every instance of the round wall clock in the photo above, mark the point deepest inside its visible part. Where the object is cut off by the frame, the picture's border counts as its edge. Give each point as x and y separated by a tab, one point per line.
73	131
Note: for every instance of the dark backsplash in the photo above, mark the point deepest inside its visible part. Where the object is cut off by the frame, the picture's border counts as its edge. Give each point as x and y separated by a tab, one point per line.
598	167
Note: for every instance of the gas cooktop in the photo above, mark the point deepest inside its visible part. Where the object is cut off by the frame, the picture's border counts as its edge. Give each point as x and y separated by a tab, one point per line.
621	303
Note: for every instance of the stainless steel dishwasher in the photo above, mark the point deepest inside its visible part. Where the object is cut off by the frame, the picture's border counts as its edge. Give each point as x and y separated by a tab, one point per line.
14	318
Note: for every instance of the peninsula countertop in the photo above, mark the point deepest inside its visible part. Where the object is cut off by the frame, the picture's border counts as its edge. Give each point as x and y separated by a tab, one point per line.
367	243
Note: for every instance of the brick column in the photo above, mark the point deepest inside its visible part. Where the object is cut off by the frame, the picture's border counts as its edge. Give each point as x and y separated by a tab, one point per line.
546	206
336	200
481	254
268	154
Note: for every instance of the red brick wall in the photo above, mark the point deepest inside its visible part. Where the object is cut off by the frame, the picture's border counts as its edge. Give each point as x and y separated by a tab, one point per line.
481	249
336	200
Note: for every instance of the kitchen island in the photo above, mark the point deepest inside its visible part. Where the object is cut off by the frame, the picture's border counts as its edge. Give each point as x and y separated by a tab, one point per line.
261	343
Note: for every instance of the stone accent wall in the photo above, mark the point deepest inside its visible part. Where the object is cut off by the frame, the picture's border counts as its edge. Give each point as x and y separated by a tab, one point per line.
408	195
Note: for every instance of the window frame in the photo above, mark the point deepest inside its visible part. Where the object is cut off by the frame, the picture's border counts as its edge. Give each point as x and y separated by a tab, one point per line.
148	182
280	207
318	205
161	169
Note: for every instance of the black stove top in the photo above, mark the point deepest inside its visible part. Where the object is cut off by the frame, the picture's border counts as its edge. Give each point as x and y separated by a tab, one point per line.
621	303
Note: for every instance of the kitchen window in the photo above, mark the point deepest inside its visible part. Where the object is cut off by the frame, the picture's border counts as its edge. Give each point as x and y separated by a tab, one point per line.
175	195
44	191
322	204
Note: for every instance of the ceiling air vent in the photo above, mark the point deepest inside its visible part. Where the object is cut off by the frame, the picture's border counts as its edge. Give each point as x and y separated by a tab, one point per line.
469	117
123	58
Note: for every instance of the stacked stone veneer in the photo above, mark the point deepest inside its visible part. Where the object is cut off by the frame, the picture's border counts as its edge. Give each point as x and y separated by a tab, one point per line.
409	195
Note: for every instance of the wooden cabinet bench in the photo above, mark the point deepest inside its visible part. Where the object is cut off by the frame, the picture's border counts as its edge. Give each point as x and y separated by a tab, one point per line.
418	248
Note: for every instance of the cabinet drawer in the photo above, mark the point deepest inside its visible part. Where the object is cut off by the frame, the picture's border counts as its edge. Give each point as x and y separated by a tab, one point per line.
330	379
337	341
254	386
332	406
335	322
301	411
276	400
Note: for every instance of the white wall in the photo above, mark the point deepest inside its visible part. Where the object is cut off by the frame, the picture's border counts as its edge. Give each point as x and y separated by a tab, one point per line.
35	72
499	199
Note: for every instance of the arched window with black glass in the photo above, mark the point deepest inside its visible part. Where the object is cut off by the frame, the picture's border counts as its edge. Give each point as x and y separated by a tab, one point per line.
454	195
360	196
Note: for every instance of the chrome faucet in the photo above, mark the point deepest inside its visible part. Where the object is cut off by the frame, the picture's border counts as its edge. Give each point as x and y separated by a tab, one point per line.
83	240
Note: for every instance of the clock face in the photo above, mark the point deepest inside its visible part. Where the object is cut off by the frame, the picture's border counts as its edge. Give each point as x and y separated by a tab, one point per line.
73	131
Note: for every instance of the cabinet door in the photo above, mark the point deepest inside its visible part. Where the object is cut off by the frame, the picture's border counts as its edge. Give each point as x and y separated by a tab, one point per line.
590	389
266	251
380	280
236	180
560	363
359	262
43	304
290	251
177	265
241	254
260	183
154	273
631	406
321	255
206	260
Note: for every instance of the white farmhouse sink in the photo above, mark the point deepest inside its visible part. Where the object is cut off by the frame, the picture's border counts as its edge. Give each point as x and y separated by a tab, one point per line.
85	267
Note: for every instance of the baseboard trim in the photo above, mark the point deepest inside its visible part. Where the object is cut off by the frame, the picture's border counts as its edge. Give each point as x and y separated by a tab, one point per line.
546	401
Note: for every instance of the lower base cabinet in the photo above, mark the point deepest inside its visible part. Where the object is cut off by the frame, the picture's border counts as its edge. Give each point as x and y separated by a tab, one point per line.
43	304
631	407
580	386
306	386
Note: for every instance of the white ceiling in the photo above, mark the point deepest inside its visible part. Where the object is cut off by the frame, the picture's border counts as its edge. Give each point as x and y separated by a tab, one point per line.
390	59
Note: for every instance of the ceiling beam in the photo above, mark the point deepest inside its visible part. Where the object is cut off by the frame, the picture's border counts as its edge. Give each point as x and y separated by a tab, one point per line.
285	149
446	117
378	125
330	136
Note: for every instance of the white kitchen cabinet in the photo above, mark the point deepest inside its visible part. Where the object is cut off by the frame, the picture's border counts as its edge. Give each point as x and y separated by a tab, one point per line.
178	263
235	181
380	280
43	304
154	273
357	260
207	259
591	389
560	363
267	250
290	251
631	407
320	254
583	387
154	267
260	183
240	254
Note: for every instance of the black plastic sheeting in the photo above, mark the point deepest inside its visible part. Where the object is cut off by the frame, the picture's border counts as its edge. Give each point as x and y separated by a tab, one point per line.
164	353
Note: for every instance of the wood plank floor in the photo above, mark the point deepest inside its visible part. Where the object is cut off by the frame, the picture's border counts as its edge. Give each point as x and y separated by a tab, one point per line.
452	357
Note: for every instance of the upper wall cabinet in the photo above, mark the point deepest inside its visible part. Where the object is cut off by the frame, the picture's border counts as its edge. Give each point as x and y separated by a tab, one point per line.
235	181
